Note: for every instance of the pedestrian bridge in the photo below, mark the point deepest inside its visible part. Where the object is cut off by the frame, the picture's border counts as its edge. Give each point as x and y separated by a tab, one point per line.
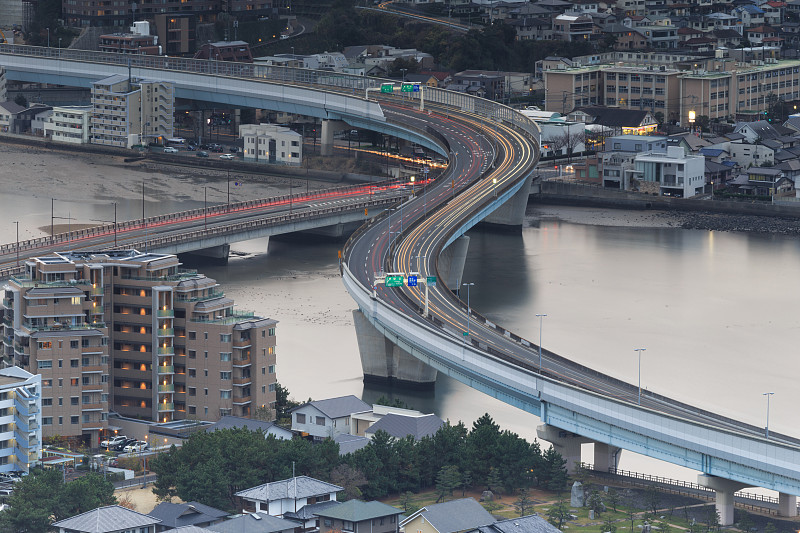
575	403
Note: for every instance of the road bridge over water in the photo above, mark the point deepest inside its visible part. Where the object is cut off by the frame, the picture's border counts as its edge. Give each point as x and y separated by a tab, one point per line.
492	151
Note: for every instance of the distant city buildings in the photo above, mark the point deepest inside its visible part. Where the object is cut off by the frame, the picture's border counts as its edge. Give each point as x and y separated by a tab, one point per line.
130	332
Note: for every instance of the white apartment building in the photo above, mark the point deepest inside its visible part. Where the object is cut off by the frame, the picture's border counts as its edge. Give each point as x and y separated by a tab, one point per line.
20	419
128	112
673	173
70	124
268	143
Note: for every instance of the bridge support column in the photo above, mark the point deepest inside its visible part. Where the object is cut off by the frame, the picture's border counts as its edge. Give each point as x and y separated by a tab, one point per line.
383	361
511	215
787	505
451	262
215	254
606	456
329	127
725	489
566	443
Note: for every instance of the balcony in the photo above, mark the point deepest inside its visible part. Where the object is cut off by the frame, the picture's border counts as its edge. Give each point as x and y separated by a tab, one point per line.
168	350
96	291
165	332
166	313
92	407
91	426
241	401
242	381
241	363
166	388
8	302
92	369
92	387
166	407
243	343
165	369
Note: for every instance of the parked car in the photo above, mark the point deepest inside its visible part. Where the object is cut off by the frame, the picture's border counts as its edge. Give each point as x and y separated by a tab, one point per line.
202	153
136	446
170	150
226	156
6	477
121	446
192	148
113	441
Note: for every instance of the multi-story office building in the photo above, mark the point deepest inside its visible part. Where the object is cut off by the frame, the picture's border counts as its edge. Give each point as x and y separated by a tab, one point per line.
20	419
131	111
69	124
132	333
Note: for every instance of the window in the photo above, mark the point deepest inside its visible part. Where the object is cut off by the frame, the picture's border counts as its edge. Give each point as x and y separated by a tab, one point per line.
73	344
271	332
328	522
74	363
225	376
192	391
47	383
224	337
271	369
192	335
320	420
272	387
46	402
205	335
225	394
192	354
205	392
74	382
301	418
74	400
60	420
224	356
45	364
44	345
347	525
192	373
47	420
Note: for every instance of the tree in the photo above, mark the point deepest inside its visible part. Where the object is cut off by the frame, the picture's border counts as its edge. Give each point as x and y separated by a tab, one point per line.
397	402
491	506
558	514
652	499
263	413
448	479
523	502
712	519
610	525
20	100
42	497
494	481
595	503
554	471
466	482
480	447
351	479
769	527
613	498
407	502
746	523
659	116
663	527
283	404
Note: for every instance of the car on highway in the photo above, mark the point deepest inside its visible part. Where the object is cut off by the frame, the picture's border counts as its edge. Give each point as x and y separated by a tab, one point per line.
113	441
136	446
226	156
170	150
202	153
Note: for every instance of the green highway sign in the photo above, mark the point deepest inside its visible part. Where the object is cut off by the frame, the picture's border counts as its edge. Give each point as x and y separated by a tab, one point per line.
387	88
394	281
407	88
465	333
431	281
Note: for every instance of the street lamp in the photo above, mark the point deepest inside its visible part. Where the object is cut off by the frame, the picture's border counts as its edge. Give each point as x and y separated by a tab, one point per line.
494	183
639	351
541	318
17	223
766	428
469	310
48	37
692	116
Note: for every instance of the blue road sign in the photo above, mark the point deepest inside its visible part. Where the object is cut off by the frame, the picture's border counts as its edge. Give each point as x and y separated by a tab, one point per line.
412	281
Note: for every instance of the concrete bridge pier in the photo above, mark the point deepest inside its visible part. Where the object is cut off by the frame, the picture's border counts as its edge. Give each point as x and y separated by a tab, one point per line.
566	443
329	127
725	489
383	361
451	262
606	456
787	505
510	216
215	254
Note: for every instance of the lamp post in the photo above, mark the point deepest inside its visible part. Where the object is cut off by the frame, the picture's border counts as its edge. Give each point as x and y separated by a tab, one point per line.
205	209
766	428
48	37
494	183
469	310
639	351
692	116
541	319
17	223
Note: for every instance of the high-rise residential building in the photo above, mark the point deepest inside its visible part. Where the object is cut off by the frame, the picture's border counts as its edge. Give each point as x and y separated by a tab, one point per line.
132	333
20	420
129	111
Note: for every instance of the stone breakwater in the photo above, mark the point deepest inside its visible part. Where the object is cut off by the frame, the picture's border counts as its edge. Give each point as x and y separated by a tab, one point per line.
740	223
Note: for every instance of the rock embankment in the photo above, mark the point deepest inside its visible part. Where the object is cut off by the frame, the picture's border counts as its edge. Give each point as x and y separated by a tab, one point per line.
742	223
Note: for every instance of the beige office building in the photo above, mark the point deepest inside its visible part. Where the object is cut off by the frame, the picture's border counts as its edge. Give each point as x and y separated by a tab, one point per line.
133	333
128	112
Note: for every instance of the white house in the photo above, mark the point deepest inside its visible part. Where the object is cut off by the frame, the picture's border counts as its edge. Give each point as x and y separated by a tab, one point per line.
269	143
674	173
289	495
322	419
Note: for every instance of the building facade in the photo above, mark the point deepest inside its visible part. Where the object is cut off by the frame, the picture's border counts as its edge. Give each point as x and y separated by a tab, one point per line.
127	112
132	333
673	174
269	143
20	419
69	124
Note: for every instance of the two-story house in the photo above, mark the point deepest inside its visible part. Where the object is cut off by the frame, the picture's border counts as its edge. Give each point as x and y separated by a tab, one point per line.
288	495
355	516
456	516
109	519
173	515
323	419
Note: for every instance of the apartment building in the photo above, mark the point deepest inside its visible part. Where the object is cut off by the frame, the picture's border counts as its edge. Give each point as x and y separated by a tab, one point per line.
132	333
71	124
20	419
269	143
652	89
128	112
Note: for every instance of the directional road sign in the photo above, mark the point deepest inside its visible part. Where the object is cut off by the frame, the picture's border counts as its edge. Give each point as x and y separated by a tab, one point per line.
407	88
431	281
387	88
394	281
412	281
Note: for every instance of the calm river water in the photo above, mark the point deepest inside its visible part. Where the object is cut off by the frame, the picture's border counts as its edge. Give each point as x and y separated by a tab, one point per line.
716	312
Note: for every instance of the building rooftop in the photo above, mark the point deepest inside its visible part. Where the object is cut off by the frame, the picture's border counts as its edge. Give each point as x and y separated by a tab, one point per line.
254	523
456	515
358	511
400	426
293	488
106	519
339	407
185	514
524	524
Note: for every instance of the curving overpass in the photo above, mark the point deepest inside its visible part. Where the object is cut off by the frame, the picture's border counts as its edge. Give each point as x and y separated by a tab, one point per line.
492	151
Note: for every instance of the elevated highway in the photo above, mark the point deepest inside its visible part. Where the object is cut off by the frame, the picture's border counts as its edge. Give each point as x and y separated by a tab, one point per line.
492	150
